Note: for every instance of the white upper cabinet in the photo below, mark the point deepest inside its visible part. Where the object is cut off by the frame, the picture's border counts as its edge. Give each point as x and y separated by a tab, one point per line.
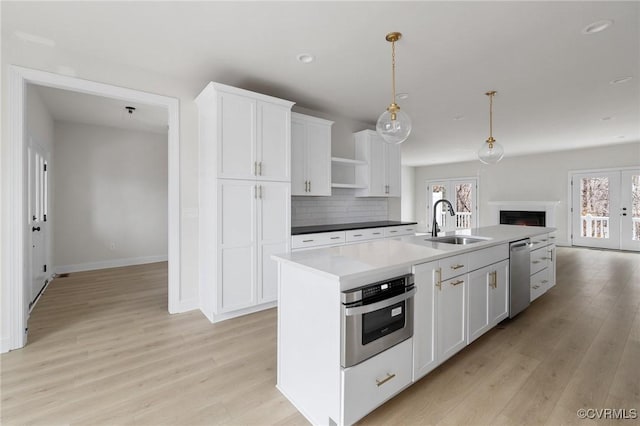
381	174
250	132
310	155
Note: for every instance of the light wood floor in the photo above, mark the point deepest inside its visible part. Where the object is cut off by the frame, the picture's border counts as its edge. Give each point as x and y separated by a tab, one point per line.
103	350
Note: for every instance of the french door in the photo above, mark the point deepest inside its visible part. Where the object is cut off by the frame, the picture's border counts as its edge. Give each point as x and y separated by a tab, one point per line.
463	195
606	209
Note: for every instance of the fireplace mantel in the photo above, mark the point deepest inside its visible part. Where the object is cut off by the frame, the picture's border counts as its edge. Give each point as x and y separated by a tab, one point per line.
549	207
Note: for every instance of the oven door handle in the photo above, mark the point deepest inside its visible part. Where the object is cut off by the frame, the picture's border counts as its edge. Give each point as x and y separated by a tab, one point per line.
359	310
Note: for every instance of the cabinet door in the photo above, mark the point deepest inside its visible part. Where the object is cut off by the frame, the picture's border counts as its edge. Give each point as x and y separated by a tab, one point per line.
393	171
551	254
478	300
451	322
274	228
237	251
424	331
298	158
377	167
274	142
499	300
319	159
237	136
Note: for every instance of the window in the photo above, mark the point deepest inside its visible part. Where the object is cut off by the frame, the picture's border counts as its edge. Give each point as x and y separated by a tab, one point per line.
462	193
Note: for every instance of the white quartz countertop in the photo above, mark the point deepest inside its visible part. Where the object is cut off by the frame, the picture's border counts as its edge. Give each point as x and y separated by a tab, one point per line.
353	261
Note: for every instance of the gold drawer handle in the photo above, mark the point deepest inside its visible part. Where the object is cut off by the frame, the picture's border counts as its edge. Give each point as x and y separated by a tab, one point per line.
335	238
535	261
392	232
385	380
458	266
307	241
457	282
356	235
544	281
376	233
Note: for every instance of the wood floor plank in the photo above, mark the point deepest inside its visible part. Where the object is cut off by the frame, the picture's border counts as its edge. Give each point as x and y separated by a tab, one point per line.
104	351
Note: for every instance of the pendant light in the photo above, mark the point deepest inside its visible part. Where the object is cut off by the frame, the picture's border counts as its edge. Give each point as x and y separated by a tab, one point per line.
491	151
393	125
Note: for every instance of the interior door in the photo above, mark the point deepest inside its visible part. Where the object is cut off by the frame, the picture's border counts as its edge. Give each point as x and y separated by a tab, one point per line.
630	210
38	199
596	205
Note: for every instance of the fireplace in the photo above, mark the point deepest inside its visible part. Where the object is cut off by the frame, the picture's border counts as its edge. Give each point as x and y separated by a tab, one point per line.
523	217
531	213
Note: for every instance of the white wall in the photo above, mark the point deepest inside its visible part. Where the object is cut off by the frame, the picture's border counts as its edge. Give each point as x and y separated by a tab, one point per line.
110	206
541	177
39	123
407	201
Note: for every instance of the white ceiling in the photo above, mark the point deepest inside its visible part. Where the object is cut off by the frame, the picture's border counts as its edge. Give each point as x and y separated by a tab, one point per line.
75	107
553	82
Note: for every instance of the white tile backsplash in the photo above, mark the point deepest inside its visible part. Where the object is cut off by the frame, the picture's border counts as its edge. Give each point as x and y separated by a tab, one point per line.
341	207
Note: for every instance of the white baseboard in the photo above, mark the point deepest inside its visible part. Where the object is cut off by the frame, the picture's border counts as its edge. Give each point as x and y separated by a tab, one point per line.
112	263
186	305
4	345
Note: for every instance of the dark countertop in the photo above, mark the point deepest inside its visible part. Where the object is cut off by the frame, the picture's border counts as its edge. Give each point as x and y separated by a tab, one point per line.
300	230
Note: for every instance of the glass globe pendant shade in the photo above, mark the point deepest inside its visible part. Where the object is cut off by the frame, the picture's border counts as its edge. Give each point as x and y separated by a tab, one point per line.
490	152
394	127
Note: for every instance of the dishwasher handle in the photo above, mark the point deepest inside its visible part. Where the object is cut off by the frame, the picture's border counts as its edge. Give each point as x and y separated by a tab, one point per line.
520	245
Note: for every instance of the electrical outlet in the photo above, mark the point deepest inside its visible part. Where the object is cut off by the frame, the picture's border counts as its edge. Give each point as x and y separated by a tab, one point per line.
112	246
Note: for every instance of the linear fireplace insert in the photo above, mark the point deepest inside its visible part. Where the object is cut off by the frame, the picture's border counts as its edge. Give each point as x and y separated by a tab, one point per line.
521	217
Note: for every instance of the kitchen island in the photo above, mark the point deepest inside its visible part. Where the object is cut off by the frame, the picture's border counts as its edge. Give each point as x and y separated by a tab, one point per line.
461	291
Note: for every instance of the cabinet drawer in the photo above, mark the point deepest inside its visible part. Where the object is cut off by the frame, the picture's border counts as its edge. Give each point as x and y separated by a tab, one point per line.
396	231
364	234
367	385
539	260
481	258
454	266
316	240
539	241
539	283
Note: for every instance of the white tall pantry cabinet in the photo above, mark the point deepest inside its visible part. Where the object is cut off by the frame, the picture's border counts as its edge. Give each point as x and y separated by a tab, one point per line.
245	197
380	175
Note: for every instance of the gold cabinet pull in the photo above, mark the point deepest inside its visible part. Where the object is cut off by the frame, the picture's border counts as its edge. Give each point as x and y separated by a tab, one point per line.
309	186
255	168
458	266
260	187
535	261
260	168
307	241
457	282
334	238
385	380
439	280
544	281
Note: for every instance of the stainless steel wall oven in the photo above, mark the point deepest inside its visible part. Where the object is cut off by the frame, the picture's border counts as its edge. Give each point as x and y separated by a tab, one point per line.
376	317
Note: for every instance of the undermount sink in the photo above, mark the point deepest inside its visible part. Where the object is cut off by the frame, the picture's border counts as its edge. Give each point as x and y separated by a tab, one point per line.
455	239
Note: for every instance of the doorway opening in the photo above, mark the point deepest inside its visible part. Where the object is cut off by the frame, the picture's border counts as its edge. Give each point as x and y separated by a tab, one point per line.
16	247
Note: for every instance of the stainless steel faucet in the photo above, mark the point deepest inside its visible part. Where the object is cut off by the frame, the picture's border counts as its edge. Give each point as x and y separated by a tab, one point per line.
434	226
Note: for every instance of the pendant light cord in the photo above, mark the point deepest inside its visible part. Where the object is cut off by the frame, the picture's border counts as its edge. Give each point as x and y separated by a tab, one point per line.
393	72
491	116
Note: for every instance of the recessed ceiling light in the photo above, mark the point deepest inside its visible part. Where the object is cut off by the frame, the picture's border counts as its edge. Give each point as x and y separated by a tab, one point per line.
620	80
32	38
458	117
598	26
402	96
305	58
606	118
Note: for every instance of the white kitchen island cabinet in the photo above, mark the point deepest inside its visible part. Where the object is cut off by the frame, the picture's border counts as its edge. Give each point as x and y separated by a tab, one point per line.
245	196
310	155
312	324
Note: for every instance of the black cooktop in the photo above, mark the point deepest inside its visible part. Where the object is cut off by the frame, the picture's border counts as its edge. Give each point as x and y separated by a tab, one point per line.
300	230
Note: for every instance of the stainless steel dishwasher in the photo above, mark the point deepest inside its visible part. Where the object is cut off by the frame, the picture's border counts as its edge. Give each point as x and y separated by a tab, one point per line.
519	276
